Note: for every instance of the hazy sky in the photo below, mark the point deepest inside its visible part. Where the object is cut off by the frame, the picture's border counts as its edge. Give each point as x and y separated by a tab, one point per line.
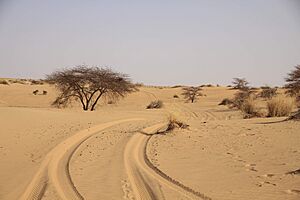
159	42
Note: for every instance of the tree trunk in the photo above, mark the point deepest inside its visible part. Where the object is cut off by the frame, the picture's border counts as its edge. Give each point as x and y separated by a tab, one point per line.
96	101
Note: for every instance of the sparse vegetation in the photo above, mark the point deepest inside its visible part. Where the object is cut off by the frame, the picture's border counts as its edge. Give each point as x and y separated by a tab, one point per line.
240	97
155	104
4	82
249	108
176	86
175	96
88	85
240	83
36	82
191	93
226	102
280	106
35	92
45	92
268	92
173	123
19	81
293	84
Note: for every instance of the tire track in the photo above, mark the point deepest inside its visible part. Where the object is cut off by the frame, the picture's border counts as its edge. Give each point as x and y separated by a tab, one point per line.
139	168
55	167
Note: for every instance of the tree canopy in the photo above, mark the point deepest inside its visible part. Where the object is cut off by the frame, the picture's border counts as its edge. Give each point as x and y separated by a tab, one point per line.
88	84
191	93
293	82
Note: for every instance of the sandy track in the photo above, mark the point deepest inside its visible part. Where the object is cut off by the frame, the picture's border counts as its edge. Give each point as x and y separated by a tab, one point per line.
55	167
144	177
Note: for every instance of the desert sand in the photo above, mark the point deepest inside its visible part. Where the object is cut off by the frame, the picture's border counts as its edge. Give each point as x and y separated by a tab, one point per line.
121	150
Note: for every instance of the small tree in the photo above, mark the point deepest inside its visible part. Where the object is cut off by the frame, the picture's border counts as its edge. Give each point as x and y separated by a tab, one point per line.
88	85
293	82
191	93
240	83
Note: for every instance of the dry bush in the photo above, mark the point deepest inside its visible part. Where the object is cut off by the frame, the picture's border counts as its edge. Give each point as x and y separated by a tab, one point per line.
250	109
4	82
240	97
268	92
45	92
173	123
155	104
36	82
35	92
175	96
225	102
280	106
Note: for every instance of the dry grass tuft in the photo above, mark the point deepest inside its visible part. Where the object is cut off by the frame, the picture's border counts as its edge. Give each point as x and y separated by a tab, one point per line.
249	109
155	104
280	106
173	123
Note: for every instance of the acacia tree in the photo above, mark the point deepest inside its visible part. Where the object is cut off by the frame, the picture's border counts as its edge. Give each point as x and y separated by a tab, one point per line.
191	93
293	82
240	83
88	85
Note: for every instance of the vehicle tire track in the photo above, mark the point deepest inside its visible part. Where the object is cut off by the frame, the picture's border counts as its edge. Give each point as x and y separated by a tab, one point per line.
55	167
139	168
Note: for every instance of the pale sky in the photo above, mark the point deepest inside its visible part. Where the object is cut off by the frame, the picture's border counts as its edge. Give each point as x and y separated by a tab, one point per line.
158	42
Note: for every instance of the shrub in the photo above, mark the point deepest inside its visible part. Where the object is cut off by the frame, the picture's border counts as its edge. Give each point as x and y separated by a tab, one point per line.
268	92
37	82
249	108
45	92
280	106
175	96
35	92
155	104
4	82
225	102
240	97
173	123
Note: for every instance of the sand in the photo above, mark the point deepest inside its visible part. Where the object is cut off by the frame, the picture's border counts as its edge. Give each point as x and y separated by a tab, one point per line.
115	153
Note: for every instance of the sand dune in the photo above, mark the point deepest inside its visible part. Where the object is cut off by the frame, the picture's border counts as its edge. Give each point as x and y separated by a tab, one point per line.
49	153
